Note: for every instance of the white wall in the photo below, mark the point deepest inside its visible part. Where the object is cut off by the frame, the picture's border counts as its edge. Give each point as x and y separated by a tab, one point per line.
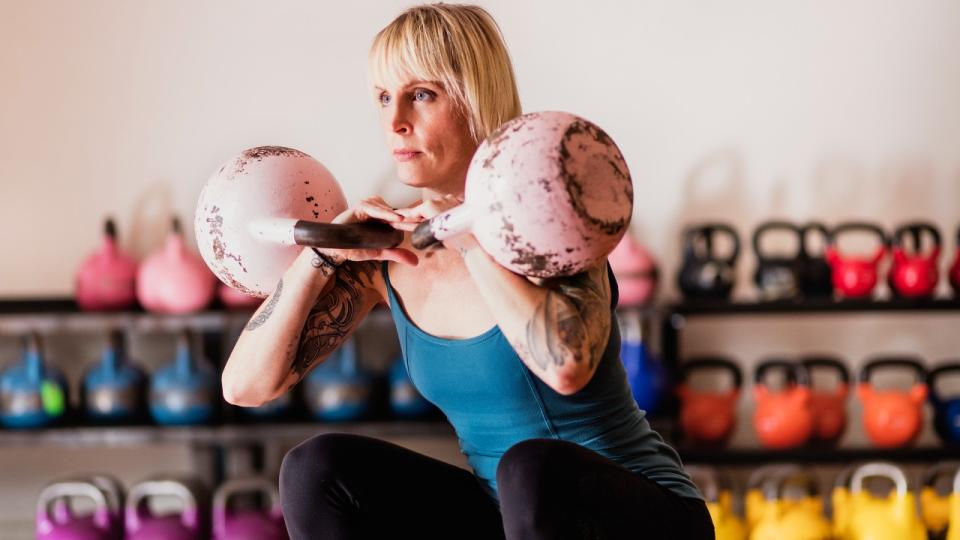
738	110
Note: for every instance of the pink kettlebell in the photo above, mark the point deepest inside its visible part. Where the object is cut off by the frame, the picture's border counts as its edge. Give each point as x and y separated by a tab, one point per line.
174	279
547	194
235	299
260	208
636	272
106	279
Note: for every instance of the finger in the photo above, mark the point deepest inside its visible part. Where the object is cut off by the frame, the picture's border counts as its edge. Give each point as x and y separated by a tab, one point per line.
378	212
405	225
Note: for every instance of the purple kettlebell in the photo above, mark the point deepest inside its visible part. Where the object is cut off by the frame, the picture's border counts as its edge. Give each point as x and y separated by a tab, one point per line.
142	524
57	521
258	524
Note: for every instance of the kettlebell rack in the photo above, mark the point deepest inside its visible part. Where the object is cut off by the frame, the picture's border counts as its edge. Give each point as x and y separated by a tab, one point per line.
209	444
674	317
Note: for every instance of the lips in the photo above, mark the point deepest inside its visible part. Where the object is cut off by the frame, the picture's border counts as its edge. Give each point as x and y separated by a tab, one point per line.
405	154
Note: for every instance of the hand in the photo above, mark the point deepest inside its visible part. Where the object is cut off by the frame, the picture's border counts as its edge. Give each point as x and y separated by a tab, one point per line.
413	216
371	208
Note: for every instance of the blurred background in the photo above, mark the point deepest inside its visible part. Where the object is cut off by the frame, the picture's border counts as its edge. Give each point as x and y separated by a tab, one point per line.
739	113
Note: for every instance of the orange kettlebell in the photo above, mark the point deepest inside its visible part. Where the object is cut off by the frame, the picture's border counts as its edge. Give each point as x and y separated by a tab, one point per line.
828	406
782	418
892	417
708	417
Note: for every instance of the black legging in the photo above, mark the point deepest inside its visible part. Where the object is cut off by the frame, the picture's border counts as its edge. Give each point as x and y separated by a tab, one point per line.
338	486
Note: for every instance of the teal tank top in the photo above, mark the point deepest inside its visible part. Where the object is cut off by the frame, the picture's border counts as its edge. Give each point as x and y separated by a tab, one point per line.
493	401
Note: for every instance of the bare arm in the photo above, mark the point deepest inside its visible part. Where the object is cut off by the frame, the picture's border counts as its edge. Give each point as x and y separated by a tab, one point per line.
313	310
559	326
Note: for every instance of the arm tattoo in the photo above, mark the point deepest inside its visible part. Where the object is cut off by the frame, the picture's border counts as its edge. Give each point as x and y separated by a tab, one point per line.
334	315
573	320
267	310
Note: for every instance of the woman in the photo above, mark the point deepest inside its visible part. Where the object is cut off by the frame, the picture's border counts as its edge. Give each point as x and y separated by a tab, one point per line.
526	370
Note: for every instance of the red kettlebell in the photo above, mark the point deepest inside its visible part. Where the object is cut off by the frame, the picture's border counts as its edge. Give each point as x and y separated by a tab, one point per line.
855	277
105	280
708	417
914	273
782	419
955	269
636	272
892	418
175	279
828	405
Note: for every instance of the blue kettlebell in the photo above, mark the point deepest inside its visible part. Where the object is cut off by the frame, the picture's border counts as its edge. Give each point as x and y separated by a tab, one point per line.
337	390
271	410
405	400
946	419
32	393
183	392
645	372
114	390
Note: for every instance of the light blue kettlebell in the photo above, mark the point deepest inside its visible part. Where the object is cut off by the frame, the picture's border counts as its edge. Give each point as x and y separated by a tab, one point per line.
337	390
184	392
645	371
114	390
32	393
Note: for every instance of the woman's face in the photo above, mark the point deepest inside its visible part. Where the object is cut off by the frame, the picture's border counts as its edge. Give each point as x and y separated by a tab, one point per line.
428	136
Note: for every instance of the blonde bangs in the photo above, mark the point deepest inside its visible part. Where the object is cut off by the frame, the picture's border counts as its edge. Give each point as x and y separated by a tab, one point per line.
457	46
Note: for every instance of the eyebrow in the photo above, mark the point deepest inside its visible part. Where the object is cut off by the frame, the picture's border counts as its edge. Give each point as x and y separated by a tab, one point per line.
412	84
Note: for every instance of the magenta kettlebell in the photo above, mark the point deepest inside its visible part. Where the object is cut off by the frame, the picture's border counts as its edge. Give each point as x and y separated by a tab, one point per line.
257	524
106	278
175	279
56	519
142	524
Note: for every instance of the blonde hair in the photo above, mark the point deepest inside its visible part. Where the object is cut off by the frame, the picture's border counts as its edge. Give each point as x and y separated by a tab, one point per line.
459	46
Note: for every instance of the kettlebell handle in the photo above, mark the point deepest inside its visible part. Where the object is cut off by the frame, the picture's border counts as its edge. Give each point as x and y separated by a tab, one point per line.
775	225
805	229
288	232
811	362
796	373
938	470
888	362
916	230
862	226
934	374
707	232
760	474
712	362
774	485
72	489
885	470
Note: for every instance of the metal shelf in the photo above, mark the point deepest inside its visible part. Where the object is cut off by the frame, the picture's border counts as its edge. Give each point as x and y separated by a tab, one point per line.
812	306
757	456
126	436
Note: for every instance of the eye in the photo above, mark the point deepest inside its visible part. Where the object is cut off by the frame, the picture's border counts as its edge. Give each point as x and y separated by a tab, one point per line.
422	95
384	98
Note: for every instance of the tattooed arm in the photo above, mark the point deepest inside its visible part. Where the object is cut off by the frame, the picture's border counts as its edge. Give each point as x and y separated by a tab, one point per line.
559	327
313	309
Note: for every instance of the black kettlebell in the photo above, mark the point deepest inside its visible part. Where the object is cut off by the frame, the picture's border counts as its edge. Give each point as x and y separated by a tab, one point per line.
704	275
816	276
777	276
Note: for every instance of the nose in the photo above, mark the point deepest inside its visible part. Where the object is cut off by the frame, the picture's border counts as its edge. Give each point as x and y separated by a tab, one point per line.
400	119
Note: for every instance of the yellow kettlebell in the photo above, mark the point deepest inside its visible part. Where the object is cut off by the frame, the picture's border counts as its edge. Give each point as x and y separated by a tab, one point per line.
934	507
718	492
953	529
840	503
754	501
791	519
893	517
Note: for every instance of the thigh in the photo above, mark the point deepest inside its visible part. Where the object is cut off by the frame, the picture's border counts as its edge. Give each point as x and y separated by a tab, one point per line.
560	490
368	488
